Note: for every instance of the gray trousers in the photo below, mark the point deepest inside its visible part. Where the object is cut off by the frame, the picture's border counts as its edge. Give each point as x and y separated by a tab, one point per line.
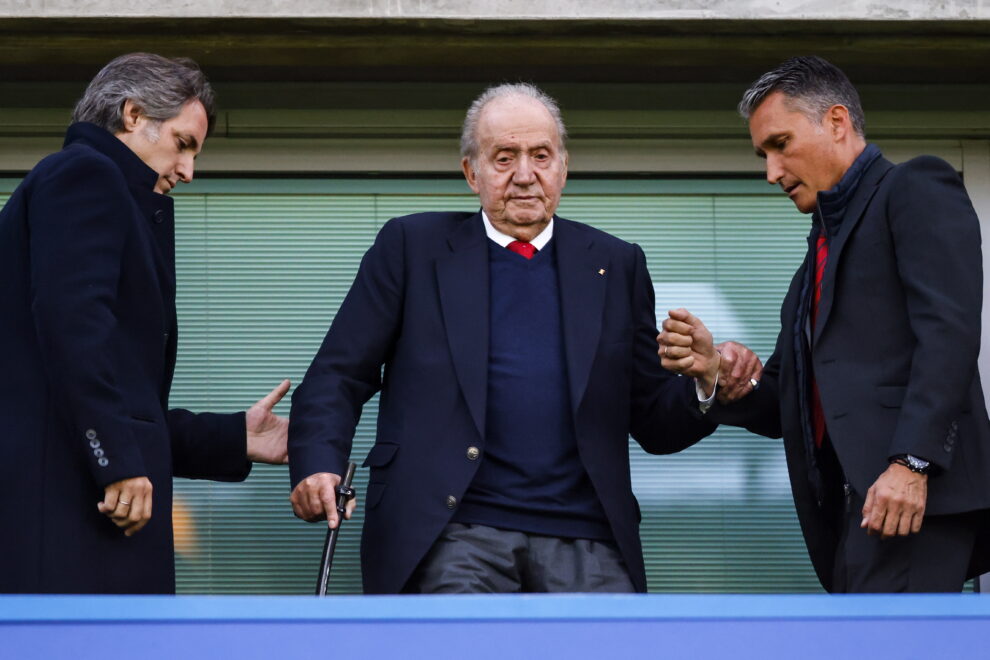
480	559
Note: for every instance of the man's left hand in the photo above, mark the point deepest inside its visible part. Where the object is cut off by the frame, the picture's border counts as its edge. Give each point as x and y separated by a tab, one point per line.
739	372
267	433
895	503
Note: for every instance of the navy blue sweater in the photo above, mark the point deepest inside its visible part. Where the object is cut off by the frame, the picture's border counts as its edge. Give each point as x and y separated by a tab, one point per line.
530	478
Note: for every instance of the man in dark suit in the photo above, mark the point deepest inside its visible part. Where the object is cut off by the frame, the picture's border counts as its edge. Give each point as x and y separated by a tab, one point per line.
873	383
519	353
88	343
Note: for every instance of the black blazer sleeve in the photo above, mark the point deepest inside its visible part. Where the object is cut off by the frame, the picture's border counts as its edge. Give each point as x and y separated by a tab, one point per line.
936	238
347	370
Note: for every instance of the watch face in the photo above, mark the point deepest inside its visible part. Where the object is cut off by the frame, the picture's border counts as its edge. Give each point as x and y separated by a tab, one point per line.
917	463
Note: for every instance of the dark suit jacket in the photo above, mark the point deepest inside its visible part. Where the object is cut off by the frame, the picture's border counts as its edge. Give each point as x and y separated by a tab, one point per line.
419	306
895	349
87	344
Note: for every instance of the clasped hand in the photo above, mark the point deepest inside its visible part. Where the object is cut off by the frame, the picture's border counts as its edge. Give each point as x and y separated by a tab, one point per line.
686	347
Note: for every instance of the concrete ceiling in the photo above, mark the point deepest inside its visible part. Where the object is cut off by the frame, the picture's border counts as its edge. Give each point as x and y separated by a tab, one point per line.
411	50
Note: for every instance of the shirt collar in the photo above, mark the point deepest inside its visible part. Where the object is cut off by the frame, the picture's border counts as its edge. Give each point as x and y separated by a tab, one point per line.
539	242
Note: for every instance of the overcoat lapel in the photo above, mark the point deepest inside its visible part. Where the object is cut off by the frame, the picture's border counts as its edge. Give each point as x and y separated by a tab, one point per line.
854	213
582	273
462	280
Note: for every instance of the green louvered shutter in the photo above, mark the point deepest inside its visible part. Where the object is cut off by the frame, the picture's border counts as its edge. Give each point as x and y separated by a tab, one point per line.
264	264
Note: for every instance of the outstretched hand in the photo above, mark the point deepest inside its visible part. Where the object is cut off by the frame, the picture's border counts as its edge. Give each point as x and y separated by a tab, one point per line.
267	433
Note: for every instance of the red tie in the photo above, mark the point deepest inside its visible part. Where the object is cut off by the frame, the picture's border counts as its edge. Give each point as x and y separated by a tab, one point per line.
525	249
817	414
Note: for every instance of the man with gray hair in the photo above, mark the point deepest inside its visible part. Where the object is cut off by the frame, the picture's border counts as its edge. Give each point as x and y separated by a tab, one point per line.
519	354
88	344
873	383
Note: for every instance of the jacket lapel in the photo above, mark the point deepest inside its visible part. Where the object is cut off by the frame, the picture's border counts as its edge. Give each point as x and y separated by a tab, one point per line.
582	274
462	280
854	213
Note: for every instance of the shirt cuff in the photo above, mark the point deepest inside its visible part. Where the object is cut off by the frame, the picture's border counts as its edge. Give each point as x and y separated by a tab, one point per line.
703	403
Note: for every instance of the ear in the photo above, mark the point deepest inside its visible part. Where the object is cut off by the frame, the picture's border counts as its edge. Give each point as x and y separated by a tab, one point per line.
132	116
469	174
838	122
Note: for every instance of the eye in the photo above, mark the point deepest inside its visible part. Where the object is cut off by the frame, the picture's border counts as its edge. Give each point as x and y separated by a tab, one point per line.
780	144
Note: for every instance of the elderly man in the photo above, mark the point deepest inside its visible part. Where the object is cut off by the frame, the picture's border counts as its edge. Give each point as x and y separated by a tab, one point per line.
519	353
873	383
88	343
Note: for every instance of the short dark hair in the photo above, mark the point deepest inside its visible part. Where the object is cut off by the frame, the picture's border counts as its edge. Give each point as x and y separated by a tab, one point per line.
812	85
159	86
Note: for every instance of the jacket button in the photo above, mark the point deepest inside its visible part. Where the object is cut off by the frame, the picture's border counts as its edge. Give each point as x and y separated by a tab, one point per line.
159	217
91	434
473	453
94	443
451	501
103	462
98	453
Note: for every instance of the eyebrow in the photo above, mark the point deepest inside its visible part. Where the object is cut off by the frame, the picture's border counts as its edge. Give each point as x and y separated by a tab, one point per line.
542	145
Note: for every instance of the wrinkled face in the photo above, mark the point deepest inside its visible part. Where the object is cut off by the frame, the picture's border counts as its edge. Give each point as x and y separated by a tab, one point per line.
803	157
520	169
169	147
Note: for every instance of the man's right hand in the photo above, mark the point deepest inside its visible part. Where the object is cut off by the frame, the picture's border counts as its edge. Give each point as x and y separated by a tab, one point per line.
128	504
686	347
315	498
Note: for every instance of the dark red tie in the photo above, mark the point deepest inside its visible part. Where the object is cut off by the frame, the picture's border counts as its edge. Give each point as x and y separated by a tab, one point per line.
817	414
525	249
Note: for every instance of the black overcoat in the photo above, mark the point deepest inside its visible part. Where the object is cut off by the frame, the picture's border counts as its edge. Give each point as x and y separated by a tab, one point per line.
87	348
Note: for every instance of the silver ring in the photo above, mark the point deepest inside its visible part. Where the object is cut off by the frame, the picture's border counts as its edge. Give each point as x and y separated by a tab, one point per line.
123	502
755	383
665	347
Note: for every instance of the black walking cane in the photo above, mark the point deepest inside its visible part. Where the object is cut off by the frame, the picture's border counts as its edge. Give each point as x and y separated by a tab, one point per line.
344	493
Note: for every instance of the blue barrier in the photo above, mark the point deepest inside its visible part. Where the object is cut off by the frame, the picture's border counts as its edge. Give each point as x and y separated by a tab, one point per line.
503	627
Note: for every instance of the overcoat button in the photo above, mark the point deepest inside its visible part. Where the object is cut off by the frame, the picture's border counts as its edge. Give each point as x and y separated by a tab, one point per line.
91	434
159	216
473	453
451	501
103	462
98	453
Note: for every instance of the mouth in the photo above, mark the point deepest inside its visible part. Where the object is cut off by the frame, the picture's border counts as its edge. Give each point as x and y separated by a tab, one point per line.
789	190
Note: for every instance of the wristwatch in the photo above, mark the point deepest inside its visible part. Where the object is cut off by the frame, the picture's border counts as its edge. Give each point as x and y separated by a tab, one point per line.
913	463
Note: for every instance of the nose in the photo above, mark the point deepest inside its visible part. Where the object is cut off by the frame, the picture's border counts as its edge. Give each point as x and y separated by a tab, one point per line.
774	170
524	173
185	167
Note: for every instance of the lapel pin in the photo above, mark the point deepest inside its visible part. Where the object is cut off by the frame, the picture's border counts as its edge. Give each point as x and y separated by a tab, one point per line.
601	271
